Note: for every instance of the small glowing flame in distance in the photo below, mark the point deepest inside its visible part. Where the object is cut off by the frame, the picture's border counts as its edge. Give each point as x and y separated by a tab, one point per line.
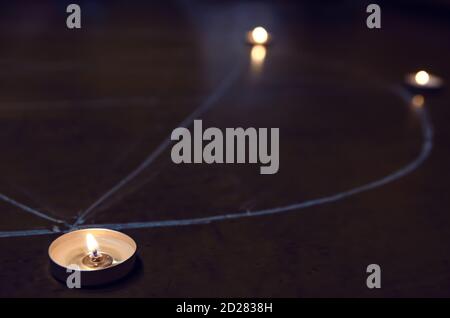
258	54
91	244
422	78
260	35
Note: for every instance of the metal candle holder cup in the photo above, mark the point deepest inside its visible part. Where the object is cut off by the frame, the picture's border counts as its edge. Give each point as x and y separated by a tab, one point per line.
100	255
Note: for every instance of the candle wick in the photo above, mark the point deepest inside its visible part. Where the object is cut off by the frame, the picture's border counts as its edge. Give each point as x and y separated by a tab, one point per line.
95	253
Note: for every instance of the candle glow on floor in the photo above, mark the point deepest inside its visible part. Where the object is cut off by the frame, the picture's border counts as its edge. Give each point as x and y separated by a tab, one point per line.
417	101
257	56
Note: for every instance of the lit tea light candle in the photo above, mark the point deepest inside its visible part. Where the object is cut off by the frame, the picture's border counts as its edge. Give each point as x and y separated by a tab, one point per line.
422	78
422	81
95	258
101	255
259	36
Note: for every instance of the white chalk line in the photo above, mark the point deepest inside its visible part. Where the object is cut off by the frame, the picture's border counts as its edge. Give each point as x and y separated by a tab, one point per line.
427	145
206	105
210	101
104	102
30	210
26	233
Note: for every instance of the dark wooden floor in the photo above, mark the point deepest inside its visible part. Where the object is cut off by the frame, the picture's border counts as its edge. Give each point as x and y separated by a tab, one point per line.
79	110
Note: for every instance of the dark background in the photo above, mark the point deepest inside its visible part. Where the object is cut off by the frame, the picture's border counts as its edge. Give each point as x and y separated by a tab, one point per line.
80	109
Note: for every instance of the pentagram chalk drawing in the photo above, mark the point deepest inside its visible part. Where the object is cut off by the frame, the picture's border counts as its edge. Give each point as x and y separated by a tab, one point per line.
426	147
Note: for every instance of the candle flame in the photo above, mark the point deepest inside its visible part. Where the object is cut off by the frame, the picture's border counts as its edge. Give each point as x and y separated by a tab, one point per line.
422	78
260	35
91	243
